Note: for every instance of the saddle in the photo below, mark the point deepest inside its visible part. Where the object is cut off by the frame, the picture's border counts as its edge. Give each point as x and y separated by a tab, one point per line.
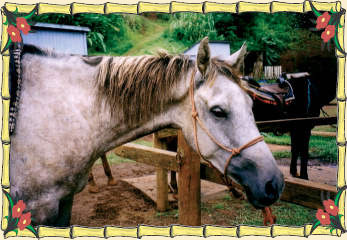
277	94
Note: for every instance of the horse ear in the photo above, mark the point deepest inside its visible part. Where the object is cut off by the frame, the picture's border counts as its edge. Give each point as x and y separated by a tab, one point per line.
203	58
236	59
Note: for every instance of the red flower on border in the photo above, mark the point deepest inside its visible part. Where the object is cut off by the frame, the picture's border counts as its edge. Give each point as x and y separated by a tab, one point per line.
14	33
328	33
24	221
323	217
18	209
23	25
323	20
330	207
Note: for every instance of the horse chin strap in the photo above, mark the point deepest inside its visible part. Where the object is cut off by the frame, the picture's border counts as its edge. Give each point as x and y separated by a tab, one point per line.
234	151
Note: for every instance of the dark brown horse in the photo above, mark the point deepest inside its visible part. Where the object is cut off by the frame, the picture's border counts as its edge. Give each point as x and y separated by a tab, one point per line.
311	94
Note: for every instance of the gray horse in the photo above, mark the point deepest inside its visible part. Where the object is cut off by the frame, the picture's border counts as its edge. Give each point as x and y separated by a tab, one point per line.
73	109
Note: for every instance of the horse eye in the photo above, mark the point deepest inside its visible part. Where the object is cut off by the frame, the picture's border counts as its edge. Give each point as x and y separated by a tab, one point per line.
218	112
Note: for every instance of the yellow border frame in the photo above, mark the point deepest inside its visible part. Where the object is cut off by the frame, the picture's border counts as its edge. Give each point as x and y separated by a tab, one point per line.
176	230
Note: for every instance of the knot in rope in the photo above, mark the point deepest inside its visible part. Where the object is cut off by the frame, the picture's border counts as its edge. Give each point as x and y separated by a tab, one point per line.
194	114
235	151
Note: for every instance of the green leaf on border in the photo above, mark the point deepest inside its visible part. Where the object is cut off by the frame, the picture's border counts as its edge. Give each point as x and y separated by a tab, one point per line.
3	50
15	11
6	23
331	230
314	10
332	10
338	46
6	193
31	228
340	215
30	14
340	192
314	226
338	195
15	230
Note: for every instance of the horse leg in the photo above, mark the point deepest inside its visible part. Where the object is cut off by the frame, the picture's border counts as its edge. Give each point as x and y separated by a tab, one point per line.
304	152
173	182
172	146
92	188
56	213
295	142
107	170
65	208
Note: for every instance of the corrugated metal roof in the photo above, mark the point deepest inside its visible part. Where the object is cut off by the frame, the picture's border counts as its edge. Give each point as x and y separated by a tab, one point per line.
61	27
59	38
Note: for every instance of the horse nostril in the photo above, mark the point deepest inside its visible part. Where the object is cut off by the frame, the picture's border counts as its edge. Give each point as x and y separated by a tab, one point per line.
271	189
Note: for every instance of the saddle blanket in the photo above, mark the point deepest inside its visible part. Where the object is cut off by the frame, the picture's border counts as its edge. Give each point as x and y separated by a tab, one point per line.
280	93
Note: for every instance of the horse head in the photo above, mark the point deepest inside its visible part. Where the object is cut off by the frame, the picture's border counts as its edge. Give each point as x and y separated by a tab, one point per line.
226	124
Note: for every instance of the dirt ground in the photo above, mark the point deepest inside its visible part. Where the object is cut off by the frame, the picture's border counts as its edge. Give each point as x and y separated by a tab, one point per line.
125	205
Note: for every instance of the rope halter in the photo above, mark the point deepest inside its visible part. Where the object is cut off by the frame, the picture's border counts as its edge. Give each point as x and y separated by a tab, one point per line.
233	151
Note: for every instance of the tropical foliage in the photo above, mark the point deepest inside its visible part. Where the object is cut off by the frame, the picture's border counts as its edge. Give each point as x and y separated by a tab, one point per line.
271	34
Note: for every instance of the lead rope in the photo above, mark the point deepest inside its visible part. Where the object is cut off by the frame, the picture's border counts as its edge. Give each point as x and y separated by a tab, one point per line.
268	217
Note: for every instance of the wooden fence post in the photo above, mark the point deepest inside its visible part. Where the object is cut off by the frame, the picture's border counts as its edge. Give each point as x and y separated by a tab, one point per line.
188	184
161	174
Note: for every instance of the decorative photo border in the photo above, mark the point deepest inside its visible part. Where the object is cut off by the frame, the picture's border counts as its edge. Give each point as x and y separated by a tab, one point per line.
173	230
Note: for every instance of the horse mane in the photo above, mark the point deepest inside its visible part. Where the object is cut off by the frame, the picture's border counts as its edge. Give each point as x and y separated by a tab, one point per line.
218	66
141	86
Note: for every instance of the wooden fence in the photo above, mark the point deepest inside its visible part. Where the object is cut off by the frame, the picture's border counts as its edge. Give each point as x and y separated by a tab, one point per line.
190	170
272	72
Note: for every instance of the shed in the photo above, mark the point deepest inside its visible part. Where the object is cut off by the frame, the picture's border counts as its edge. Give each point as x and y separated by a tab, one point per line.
60	38
218	48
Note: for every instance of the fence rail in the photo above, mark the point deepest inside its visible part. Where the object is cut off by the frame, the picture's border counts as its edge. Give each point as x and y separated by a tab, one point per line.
272	72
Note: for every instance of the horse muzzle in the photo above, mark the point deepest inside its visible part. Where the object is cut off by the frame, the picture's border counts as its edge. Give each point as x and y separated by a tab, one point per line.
262	188
267	192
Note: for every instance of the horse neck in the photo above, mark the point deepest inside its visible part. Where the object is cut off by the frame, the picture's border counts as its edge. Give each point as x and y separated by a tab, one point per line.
175	114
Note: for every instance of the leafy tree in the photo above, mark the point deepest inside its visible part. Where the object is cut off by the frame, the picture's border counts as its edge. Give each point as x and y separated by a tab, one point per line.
267	33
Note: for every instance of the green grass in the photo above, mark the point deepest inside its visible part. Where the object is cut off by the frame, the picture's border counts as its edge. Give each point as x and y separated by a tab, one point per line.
152	39
273	139
241	212
218	206
281	154
114	159
292	214
324	148
144	142
170	213
286	214
146	37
